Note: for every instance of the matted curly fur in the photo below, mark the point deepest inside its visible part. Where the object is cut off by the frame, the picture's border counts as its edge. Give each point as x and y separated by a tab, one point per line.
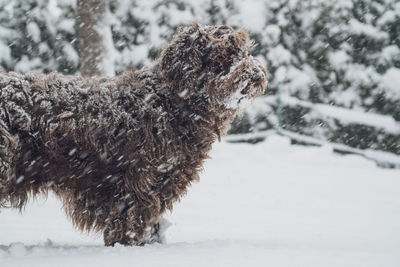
120	151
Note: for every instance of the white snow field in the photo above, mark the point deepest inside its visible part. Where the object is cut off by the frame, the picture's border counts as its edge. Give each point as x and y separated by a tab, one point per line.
269	204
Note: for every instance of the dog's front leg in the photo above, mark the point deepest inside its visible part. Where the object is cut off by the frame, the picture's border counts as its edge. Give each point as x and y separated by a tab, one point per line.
157	233
129	228
115	232
134	228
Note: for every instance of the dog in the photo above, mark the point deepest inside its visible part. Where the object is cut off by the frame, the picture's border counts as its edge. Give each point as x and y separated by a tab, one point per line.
119	151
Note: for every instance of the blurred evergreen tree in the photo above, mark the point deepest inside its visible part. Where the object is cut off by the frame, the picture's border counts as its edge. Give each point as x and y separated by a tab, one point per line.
343	53
42	36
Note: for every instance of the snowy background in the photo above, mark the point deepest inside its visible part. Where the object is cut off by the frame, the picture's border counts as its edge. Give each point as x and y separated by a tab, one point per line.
270	204
334	66
264	198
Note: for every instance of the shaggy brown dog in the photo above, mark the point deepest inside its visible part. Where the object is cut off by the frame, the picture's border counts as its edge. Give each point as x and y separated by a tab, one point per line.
120	151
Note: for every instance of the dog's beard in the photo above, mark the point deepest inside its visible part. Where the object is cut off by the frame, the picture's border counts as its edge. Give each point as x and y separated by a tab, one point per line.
246	89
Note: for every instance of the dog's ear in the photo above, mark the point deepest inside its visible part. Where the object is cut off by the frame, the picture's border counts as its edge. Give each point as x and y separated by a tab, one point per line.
181	61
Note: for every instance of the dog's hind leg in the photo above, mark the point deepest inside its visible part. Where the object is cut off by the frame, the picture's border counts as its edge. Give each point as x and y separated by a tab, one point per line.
8	149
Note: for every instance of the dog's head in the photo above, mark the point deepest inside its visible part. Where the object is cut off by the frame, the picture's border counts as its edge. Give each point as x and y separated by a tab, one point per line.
213	61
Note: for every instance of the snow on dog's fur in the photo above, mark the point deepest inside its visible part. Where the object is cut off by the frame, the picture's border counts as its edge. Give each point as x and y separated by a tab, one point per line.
120	151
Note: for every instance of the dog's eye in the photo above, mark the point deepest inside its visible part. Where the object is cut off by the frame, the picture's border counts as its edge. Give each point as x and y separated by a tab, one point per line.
220	31
218	34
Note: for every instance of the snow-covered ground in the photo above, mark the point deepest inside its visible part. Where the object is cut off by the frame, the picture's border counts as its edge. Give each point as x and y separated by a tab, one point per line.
270	204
